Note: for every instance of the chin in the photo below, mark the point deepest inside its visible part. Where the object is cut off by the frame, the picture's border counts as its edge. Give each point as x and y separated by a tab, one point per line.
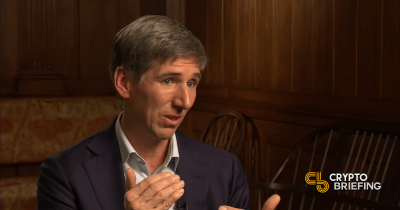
165	133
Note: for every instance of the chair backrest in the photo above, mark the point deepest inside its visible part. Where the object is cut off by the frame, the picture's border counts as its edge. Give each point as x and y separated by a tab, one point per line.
237	134
340	150
226	131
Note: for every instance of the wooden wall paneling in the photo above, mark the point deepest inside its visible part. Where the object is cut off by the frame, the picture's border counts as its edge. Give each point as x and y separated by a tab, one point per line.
29	169
55	64
46	36
247	51
34	54
231	42
282	134
345	24
129	11
9	44
25	35
302	73
39	31
152	7
99	22
195	123
322	47
8	170
281	75
390	80
50	48
54	32
24	43
196	19
253	51
264	114
175	9
263	19
89	87
244	71
66	37
37	35
369	49
41	87
291	107
214	44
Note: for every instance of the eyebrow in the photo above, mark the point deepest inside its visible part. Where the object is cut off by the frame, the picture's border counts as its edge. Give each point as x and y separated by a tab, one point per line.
167	74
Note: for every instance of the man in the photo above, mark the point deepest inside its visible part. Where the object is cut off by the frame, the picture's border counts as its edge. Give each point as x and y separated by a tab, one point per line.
155	65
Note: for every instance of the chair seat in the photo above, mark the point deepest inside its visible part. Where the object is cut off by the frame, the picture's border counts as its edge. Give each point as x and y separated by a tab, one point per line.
18	193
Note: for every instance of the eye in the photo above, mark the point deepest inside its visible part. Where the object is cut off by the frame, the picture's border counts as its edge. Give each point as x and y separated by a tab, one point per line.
167	82
190	84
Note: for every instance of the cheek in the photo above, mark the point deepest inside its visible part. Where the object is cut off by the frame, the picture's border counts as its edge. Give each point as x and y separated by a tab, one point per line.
161	100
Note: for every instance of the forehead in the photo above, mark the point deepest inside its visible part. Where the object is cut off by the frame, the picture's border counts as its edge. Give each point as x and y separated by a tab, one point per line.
181	65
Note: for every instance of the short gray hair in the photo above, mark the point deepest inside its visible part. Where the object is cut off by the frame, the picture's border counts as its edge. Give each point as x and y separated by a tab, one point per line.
151	39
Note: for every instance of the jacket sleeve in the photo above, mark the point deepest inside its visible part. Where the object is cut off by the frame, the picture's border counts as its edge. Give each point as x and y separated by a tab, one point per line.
53	190
239	192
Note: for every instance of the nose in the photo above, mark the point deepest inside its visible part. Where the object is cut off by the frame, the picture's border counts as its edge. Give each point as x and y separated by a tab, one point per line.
184	97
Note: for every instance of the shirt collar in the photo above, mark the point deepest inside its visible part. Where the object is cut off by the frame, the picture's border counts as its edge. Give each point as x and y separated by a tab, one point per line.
126	148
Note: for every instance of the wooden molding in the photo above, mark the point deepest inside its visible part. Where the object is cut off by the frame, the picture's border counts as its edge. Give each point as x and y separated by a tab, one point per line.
51	86
295	107
7	87
81	87
40	87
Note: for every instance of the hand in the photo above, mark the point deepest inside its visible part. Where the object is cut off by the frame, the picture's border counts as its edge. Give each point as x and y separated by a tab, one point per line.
157	192
270	204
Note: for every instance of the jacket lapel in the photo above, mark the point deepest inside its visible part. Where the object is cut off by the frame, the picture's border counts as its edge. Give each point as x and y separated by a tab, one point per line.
105	170
193	172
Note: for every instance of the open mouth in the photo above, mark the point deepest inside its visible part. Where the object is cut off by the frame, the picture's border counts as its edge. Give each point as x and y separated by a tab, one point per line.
173	118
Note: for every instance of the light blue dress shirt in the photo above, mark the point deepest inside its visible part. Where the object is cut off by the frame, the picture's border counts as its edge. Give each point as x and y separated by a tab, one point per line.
130	159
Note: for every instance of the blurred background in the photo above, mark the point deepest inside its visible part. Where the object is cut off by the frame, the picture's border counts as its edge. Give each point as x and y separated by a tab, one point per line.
290	65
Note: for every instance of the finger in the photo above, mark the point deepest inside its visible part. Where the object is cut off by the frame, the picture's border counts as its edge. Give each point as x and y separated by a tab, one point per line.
227	208
130	182
272	202
130	179
161	190
160	196
136	191
166	204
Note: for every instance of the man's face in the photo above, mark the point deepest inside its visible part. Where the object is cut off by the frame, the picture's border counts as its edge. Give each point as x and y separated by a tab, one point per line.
159	103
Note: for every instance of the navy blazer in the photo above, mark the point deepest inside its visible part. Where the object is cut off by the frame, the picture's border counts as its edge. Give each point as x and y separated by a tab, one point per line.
89	175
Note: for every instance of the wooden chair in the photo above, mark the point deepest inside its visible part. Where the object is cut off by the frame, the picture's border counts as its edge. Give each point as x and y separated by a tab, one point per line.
226	131
370	149
237	134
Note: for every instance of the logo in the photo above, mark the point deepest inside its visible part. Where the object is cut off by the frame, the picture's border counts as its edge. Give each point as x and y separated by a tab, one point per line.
342	181
322	185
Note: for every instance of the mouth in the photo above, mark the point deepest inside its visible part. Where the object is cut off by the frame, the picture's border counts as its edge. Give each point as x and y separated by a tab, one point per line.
172	120
172	117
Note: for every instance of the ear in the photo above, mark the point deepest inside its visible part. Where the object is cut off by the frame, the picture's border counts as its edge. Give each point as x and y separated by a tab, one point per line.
122	82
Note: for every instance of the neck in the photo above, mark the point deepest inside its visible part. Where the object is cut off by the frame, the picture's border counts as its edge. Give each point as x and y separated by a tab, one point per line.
153	151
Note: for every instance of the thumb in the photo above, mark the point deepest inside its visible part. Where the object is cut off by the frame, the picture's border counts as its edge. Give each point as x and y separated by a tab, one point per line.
272	202
130	179
227	208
